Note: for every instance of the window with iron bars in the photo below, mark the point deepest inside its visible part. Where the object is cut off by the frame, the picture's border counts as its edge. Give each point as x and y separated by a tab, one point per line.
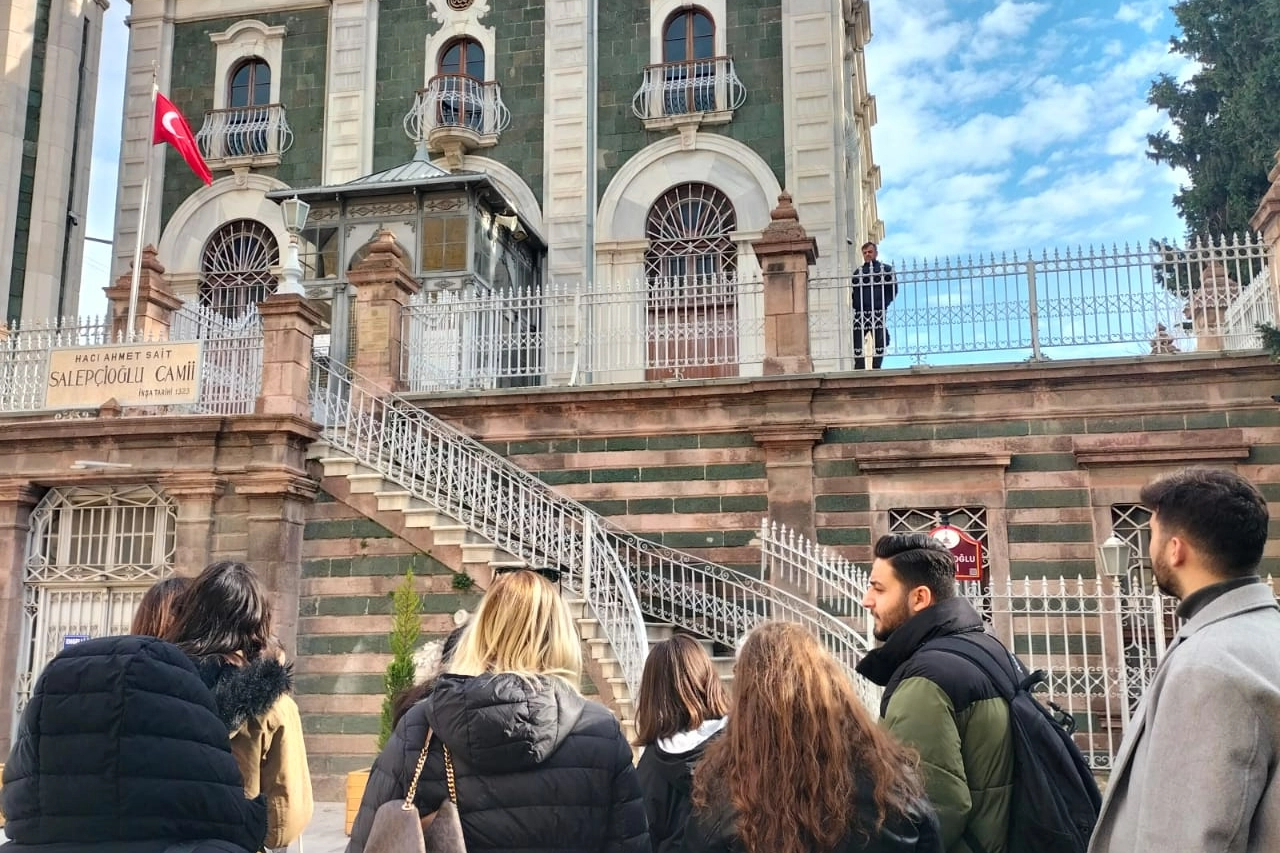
1131	524
970	519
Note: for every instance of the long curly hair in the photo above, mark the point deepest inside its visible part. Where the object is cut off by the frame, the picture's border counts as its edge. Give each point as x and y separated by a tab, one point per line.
796	743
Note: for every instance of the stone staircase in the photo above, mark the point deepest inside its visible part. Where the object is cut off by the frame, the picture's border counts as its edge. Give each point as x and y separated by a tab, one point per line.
433	531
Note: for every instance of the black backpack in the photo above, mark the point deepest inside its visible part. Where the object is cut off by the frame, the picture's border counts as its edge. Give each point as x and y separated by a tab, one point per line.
1055	799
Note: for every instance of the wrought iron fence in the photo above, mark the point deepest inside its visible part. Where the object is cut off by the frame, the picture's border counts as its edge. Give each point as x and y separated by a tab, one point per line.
254	131
1132	300
699	327
457	101
690	86
620	574
230	369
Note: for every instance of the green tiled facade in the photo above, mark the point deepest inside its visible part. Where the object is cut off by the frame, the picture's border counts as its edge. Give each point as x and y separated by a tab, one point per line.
403	29
403	68
754	41
304	57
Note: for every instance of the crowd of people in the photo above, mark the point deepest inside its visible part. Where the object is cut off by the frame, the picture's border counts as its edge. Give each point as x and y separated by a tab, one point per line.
140	742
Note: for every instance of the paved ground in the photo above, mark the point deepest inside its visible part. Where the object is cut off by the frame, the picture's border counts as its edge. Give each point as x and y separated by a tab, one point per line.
323	835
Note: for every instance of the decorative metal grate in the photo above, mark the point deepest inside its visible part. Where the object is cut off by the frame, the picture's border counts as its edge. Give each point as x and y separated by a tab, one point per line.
1131	523
91	555
260	132
690	86
236	269
689	230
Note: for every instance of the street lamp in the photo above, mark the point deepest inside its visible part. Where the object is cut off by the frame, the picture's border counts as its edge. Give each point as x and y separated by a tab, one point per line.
295	212
1115	556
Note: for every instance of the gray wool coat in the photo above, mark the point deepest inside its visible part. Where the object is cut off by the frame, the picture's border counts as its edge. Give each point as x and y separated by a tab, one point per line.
1196	772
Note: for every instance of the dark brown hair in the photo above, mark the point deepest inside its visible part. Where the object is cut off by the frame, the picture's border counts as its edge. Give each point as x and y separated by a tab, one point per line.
680	690
1220	512
224	612
155	611
796	721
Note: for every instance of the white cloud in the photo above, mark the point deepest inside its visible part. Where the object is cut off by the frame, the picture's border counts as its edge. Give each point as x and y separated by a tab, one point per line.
1147	15
1039	143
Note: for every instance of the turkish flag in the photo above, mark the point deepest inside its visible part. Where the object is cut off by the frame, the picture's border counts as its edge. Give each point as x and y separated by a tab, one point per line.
172	128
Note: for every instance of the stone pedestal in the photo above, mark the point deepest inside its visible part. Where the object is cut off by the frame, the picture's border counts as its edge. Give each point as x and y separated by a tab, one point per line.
383	287
288	327
786	252
1267	222
156	301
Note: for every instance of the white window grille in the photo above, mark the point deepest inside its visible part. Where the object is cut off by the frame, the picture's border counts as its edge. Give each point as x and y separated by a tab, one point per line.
237	267
91	555
970	519
1131	524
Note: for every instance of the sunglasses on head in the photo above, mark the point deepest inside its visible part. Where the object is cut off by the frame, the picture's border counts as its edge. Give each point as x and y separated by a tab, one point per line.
547	572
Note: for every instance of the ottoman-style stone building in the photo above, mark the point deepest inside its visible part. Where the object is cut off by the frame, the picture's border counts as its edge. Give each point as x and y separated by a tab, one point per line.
560	309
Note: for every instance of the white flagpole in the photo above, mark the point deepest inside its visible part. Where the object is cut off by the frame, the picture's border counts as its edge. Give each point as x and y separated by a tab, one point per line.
142	205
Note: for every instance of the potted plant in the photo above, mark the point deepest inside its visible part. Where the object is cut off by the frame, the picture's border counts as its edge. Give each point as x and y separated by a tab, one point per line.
406	607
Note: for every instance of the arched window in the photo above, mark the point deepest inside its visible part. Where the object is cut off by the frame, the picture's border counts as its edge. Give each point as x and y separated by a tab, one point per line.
248	117
688	51
250	84
460	84
236	267
690	265
688	231
463	56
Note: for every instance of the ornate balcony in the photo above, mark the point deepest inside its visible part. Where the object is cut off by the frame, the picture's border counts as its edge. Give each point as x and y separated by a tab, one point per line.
456	114
244	136
704	90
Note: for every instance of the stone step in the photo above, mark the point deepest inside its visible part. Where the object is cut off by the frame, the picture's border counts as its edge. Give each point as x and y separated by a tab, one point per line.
339	466
393	501
588	628
424	517
450	532
366	482
480	551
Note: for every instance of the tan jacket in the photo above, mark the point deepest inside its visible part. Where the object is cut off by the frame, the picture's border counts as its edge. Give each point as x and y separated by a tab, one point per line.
273	761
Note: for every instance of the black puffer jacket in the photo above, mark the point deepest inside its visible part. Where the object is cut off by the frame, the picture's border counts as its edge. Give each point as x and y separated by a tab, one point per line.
537	766
121	742
665	772
715	829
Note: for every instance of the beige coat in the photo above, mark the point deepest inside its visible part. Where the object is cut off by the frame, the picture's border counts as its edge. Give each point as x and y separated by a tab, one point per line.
273	761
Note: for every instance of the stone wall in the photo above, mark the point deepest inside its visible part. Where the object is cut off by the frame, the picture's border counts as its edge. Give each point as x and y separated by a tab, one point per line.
1045	449
403	29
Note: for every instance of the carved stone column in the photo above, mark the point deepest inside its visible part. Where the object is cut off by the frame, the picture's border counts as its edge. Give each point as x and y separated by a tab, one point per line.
786	251
156	301
788	463
288	327
383	287
196	496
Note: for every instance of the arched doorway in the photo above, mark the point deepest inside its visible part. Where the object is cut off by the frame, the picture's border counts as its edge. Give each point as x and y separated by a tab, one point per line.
236	267
691	271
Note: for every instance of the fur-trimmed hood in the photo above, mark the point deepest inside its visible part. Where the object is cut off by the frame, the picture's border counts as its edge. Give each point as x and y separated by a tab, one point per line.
245	692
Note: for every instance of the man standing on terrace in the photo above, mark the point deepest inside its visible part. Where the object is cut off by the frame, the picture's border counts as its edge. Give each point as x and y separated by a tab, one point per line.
1197	771
874	288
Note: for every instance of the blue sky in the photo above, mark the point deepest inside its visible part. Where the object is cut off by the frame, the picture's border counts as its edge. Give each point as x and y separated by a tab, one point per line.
1003	125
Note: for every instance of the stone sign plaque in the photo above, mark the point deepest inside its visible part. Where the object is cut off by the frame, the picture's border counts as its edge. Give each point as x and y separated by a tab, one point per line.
157	374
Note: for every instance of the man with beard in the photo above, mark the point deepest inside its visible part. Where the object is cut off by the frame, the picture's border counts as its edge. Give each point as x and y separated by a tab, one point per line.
935	701
1197	768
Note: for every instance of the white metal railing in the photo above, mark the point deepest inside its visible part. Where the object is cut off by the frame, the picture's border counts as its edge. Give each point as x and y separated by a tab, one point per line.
619	574
256	131
693	86
555	334
1254	306
1138	300
231	361
457	101
816	574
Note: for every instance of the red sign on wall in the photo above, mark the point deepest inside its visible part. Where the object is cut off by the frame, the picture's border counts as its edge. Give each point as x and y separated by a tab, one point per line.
966	550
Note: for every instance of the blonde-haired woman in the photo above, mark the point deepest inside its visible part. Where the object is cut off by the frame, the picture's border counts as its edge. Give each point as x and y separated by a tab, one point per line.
537	767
